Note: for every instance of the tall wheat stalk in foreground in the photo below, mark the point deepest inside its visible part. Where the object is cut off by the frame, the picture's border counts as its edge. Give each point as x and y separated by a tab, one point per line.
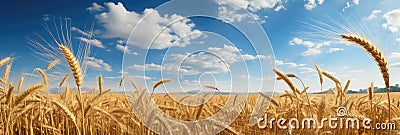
377	56
77	72
74	65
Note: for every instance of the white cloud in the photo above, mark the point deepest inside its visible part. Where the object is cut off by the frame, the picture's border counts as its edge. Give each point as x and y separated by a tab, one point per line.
311	52
395	55
118	23
126	50
373	14
86	34
312	47
201	62
279	62
306	70
331	50
95	7
356	71
147	67
231	54
392	20
279	8
398	39
252	5
311	4
347	6
288	64
395	65
230	10
230	15
98	64
94	42
356	2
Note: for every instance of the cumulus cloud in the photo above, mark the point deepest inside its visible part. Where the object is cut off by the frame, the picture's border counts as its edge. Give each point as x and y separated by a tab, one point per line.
331	50
93	42
252	5
312	47
392	20
230	15
398	39
311	52
395	55
201	62
356	2
95	7
231	54
306	70
126	50
373	14
288	64
98	64
230	10
148	67
311	4
118	22
395	65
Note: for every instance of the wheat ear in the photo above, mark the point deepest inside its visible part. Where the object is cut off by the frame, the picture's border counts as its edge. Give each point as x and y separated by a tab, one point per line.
378	57
21	81
212	87
63	80
43	74
52	64
9	93
5	60
159	83
26	93
100	81
286	79
121	81
371	91
67	112
6	74
74	65
134	85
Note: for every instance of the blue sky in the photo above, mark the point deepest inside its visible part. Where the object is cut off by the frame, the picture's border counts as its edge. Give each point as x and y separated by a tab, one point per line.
214	43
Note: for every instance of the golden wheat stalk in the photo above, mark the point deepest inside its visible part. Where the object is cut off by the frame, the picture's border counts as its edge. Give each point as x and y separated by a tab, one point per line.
201	107
159	83
6	75
321	79
330	76
212	87
286	79
9	93
346	88
100	81
134	85
271	99
67	112
378	57
43	74
74	65
52	64
121	81
5	60
371	91
21	81
63	80
26	93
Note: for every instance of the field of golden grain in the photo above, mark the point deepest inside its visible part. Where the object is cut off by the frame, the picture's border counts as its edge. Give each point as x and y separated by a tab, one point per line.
99	111
111	113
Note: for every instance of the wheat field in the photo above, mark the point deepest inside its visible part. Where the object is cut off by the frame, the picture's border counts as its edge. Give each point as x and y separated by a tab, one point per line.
101	111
